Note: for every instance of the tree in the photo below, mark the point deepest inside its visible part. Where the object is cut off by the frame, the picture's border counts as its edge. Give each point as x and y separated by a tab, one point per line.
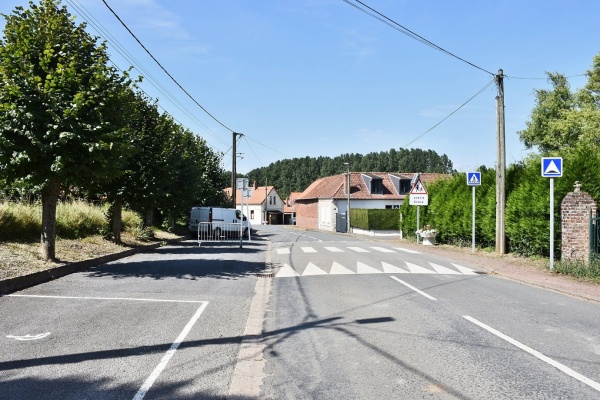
563	120
60	123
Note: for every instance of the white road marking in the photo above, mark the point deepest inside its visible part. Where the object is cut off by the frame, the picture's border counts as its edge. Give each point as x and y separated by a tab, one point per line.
312	269
338	269
165	360
413	288
416	269
383	249
286	271
103	298
29	337
444	270
465	270
285	250
334	249
359	249
365	269
308	250
392	269
537	354
408	250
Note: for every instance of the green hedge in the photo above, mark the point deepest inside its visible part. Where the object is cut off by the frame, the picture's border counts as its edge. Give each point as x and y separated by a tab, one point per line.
375	219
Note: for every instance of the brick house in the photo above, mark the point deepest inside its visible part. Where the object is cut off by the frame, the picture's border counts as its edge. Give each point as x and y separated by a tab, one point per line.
264	204
317	206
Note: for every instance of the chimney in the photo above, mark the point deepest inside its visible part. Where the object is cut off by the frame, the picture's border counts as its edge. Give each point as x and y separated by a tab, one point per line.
255	185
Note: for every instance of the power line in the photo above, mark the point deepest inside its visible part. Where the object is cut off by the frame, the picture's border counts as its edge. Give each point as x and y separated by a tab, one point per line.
99	28
518	77
252	150
449	115
163	68
402	29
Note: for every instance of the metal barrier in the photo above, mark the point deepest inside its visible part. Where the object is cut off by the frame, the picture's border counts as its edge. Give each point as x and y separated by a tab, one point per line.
227	232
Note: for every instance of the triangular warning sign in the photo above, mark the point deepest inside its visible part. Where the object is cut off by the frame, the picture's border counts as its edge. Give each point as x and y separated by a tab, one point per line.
418	188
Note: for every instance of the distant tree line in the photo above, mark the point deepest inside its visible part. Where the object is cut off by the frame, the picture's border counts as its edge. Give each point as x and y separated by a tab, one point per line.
296	174
71	123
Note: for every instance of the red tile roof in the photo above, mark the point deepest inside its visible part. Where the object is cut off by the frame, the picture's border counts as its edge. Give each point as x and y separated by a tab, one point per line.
257	196
333	187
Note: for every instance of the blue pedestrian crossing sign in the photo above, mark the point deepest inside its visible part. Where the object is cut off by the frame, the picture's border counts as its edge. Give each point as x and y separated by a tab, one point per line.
552	167
473	178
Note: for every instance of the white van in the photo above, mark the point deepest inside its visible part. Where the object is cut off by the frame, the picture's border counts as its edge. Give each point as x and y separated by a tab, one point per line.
220	219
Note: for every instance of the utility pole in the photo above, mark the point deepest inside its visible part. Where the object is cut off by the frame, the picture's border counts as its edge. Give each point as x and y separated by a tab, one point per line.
233	167
348	197
500	167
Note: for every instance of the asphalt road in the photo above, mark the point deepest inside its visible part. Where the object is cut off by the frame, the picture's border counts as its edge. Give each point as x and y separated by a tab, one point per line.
161	325
340	318
356	319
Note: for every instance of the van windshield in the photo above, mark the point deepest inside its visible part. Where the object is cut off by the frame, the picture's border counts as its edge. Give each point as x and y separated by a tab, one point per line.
238	214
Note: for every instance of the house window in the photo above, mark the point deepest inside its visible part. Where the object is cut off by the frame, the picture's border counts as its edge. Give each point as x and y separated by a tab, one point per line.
388	207
404	186
274	198
251	214
270	200
377	186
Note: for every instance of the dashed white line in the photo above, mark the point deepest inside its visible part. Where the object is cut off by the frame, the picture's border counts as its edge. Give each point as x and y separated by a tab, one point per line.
103	298
537	354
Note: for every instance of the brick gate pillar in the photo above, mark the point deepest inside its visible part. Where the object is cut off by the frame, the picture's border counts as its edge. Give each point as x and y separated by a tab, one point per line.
575	223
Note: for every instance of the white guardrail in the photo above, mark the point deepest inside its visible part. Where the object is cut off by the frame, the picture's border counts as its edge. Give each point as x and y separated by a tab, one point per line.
220	232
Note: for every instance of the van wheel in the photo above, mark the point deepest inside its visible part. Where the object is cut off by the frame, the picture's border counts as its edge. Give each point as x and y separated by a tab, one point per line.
217	233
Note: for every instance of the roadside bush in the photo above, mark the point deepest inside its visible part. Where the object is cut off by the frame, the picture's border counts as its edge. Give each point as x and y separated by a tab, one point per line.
579	269
375	219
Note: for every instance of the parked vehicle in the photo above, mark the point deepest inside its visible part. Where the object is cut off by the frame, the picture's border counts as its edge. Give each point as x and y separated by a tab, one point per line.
218	220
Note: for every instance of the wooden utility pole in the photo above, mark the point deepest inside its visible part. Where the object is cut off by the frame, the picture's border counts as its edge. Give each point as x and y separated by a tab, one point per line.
233	167
500	167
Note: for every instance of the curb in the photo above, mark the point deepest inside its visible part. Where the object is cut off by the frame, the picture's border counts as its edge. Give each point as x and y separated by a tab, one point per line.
11	285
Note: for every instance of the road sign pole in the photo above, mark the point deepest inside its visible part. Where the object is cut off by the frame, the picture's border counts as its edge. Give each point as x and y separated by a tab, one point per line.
418	221
551	224
473	223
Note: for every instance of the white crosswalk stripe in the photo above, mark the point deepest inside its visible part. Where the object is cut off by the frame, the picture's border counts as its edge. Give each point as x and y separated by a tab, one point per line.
285	250
408	250
383	249
335	249
308	250
359	249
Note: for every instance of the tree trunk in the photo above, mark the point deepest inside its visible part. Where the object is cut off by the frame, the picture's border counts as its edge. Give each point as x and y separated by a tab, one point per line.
149	217
115	219
48	239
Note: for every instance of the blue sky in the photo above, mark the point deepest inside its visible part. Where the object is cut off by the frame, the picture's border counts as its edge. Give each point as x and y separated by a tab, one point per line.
319	77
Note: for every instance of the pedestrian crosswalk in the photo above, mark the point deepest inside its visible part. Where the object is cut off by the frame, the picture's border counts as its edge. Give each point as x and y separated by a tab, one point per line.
333	249
382	267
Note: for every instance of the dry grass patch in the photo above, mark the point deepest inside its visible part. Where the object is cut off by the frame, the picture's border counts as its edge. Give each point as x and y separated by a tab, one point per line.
17	259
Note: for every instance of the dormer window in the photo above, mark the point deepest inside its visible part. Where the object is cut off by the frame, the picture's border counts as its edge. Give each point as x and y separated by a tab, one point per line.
404	186
377	186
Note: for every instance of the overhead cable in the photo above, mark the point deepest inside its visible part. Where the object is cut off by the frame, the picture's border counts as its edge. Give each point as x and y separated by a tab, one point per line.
86	15
163	68
402	29
449	115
